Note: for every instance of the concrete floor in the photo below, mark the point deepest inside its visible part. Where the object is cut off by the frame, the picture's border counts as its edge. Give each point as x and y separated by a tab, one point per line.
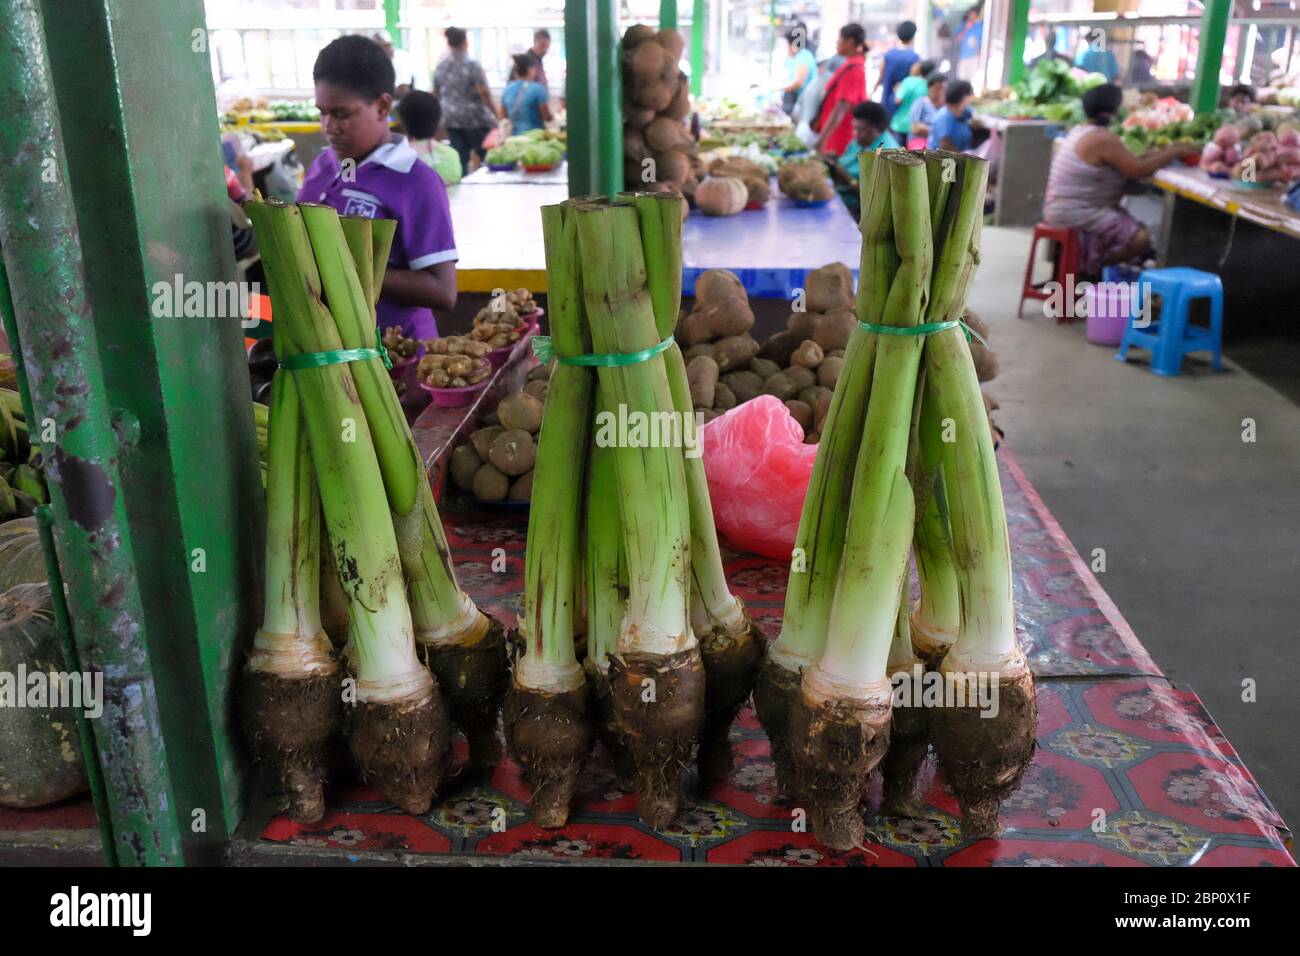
1201	529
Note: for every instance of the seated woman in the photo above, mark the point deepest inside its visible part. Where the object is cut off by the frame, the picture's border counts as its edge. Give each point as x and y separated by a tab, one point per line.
1087	179
525	101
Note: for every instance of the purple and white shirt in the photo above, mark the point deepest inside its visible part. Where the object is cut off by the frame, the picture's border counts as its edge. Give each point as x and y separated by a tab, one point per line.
392	183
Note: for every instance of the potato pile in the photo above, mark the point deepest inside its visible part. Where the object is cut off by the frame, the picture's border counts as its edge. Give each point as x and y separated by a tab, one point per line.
497	462
454	361
399	347
501	321
656	103
805	180
757	185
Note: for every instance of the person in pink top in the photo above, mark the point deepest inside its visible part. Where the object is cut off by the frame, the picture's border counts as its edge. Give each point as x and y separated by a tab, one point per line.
371	171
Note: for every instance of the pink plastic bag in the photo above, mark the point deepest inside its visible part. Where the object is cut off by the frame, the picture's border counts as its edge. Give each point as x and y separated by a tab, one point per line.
758	469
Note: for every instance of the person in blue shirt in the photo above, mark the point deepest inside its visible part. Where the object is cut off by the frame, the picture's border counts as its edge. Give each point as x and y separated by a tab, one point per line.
897	64
951	128
921	116
525	101
800	65
1095	58
870	133
969	40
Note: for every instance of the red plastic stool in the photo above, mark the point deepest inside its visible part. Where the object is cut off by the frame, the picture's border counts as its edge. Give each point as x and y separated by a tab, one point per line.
1067	263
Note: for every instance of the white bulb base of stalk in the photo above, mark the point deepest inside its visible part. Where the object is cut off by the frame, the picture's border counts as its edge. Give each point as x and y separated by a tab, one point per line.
468	627
410	687
535	673
292	656
644	637
930	641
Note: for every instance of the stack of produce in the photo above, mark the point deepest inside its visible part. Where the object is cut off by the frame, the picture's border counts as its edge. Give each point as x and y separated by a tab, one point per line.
656	104
503	320
752	175
340	447
497	463
1052	90
824	695
1166	121
454	361
400	348
670	653
1250	151
805	180
536	149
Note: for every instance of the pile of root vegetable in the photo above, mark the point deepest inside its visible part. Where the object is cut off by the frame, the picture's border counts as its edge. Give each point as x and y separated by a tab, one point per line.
366	633
1250	151
805	180
905	463
496	464
658	150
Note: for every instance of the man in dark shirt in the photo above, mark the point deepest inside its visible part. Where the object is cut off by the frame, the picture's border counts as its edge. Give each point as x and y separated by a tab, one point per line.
541	46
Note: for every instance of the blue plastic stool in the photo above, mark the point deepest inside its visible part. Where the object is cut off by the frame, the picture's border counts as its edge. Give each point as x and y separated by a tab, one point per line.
1172	337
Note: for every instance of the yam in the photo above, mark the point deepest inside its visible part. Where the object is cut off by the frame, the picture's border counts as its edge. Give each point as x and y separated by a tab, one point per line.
465	462
521	411
672	167
538	388
483	438
734	352
730	315
830	288
802	413
513	452
832	330
680	106
782	386
721	196
654	96
646	62
522	489
779	348
763	368
704	348
706	414
723	398
809	355
802	377
813	394
716	284
702	375
664	134
635	35
634	146
637	118
800	325
539	371
744	384
821	408
828	373
490	484
694	330
672	43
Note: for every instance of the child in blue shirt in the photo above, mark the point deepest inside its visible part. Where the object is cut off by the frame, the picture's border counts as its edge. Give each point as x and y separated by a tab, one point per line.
951	128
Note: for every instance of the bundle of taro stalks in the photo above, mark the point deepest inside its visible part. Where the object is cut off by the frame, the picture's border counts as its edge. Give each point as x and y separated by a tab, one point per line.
352	529
905	462
620	531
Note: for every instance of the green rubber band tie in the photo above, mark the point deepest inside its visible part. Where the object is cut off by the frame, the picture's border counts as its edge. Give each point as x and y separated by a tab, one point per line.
545	352
294	363
929	328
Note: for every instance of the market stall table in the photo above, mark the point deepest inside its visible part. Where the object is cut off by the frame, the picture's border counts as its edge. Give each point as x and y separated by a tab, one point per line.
1023	162
1247	236
499	238
1113	733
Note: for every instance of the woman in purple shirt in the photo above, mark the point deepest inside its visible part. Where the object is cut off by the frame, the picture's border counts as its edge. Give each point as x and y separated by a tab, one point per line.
371	171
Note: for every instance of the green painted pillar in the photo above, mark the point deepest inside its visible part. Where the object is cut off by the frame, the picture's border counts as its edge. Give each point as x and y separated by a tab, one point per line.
1016	44
1209	55
699	23
580	94
667	14
392	17
111	193
609	101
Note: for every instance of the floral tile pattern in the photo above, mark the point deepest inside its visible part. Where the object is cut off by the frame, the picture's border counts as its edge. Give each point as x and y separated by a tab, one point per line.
1129	771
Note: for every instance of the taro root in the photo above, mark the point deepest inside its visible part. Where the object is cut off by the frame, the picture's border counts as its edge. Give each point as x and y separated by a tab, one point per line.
521	411
490	484
802	413
483	438
832	330
809	355
828	373
702	374
723	398
763	368
465	463
522	489
744	384
779	348
734	352
513	452
782	385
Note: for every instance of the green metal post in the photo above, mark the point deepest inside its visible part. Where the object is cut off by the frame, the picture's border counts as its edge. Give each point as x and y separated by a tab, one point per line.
393	16
699	22
1209	55
145	164
667	14
1016	45
58	343
609	102
580	95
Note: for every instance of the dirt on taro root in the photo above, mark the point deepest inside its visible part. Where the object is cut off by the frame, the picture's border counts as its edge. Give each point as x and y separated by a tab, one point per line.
909	741
984	758
775	695
291	725
836	745
659	701
402	748
549	736
473	680
601	703
731	666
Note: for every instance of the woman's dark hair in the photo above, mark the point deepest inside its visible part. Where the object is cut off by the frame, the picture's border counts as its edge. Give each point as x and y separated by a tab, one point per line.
420	113
1102	102
854	32
932	78
356	64
1241	89
906	30
957	91
522	65
870	111
928	67
796	31
455	37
